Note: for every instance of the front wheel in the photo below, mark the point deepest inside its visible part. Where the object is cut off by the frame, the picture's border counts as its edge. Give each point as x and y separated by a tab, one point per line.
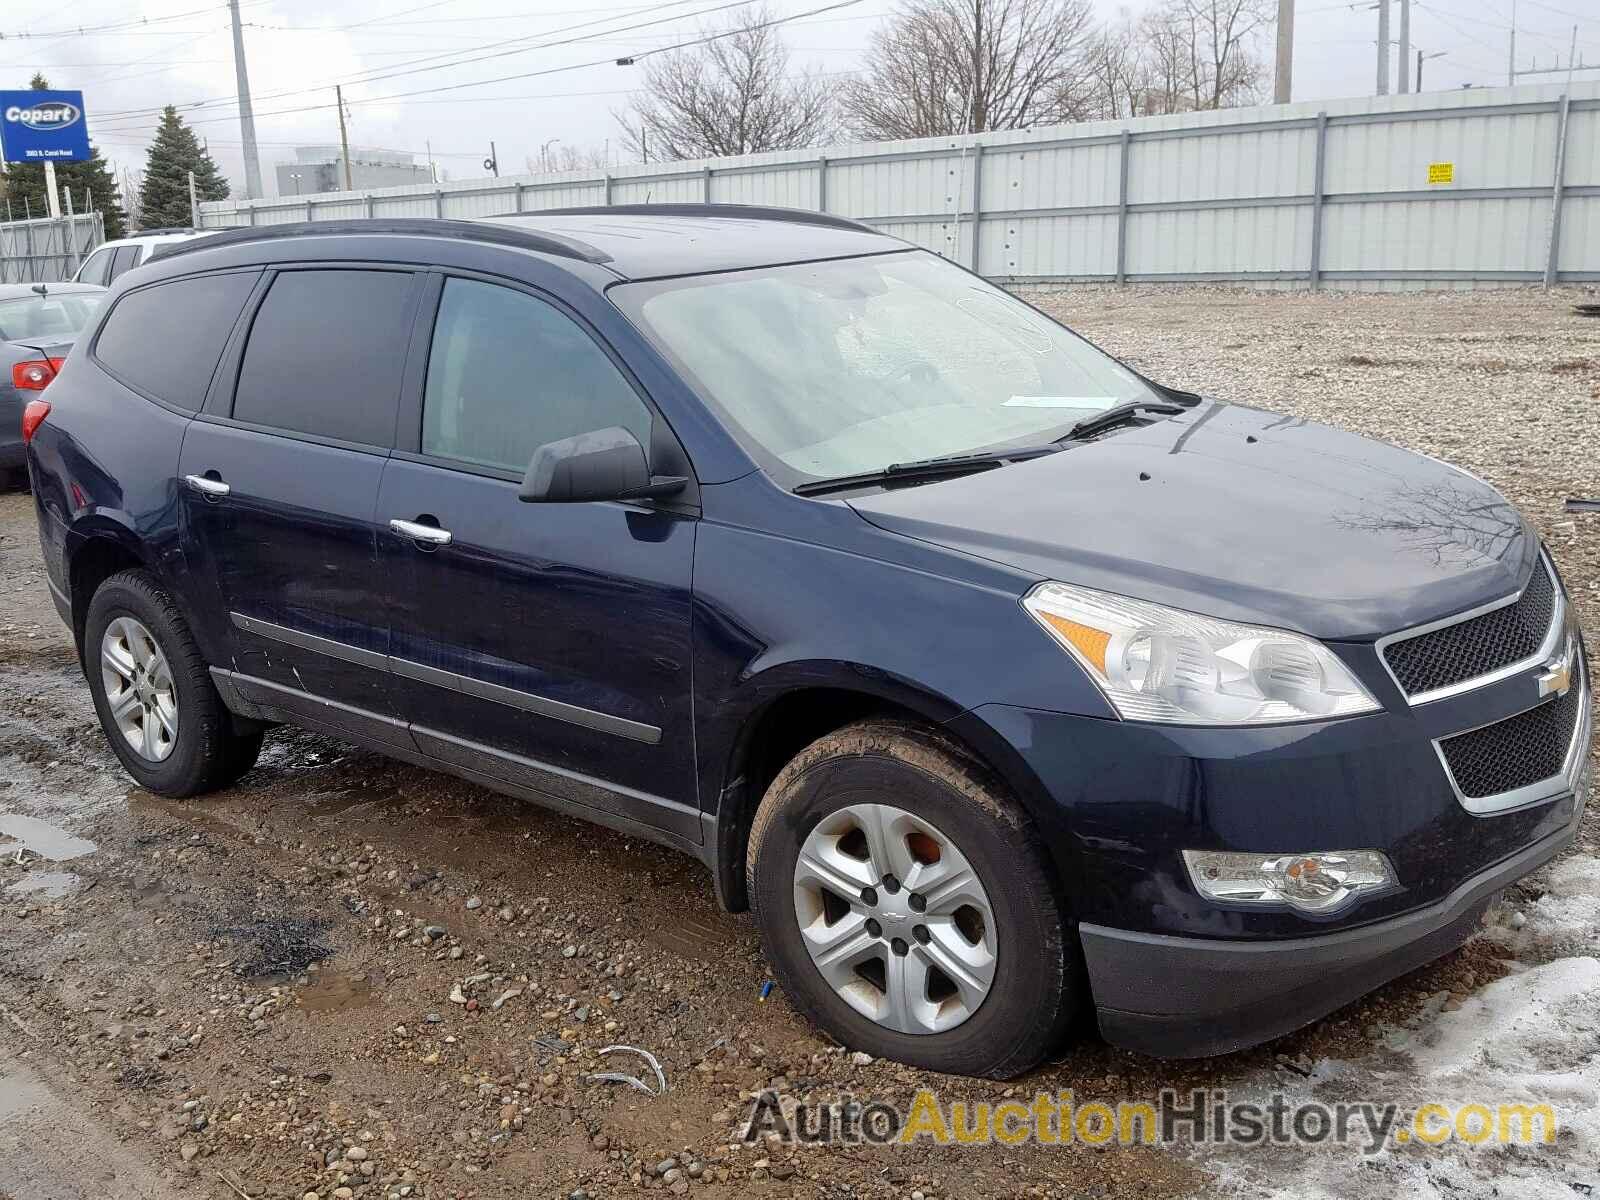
905	903
153	693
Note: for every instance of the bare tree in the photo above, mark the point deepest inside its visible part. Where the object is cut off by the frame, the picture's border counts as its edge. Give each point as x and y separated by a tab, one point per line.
1166	51
1118	71
1224	71
1179	56
964	66
731	95
563	157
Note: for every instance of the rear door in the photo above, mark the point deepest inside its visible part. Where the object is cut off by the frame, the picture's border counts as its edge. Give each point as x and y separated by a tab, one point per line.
280	482
546	645
163	342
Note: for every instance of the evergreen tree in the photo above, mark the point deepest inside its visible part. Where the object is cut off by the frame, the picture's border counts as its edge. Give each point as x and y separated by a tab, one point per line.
164	199
25	182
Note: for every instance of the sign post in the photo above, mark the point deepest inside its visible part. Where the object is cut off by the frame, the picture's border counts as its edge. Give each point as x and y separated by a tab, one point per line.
52	196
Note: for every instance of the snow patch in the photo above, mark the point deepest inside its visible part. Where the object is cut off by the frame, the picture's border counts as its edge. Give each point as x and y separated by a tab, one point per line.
1530	1037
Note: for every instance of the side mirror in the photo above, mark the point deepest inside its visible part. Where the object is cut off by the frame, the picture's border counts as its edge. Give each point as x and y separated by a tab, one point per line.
608	464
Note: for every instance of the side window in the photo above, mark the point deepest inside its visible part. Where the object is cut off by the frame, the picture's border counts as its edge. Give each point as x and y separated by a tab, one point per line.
96	268
325	355
508	373
127	256
165	340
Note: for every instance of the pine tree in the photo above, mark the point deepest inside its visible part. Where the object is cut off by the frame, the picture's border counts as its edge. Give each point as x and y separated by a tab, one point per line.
25	182
164	199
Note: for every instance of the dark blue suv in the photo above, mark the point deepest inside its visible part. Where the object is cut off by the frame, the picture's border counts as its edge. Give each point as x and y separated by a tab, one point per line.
1002	682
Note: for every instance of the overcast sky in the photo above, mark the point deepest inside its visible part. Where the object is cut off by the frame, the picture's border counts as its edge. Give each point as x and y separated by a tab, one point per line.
181	53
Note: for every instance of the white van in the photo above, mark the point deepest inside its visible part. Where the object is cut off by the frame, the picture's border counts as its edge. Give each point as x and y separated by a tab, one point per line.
108	262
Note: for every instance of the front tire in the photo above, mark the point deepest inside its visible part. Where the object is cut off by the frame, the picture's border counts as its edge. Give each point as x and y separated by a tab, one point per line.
154	696
905	903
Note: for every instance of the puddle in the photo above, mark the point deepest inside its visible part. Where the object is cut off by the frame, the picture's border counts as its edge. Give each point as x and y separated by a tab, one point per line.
46	885
40	838
334	993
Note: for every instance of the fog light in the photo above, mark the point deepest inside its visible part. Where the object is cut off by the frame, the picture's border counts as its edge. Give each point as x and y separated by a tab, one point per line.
1308	882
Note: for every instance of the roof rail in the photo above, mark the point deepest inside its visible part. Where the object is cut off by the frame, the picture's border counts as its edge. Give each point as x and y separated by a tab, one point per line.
757	212
505	235
164	230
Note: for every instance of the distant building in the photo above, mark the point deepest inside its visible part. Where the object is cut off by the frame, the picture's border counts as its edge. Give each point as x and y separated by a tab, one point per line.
320	169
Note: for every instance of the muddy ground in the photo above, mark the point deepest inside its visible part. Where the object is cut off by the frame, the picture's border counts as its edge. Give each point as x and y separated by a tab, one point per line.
259	993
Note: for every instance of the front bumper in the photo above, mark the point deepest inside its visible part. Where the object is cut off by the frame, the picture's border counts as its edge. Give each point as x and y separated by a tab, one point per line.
1183	997
1175	975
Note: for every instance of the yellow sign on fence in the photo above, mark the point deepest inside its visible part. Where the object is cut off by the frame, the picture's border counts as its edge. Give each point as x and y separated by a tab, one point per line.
1441	172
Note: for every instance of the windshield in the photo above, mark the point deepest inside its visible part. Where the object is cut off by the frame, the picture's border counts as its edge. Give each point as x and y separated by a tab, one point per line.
48	318
845	367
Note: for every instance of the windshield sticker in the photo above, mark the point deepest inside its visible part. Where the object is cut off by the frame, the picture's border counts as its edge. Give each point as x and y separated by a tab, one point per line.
1092	403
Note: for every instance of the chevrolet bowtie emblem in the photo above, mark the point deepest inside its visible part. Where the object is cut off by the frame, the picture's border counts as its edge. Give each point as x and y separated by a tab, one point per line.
1557	677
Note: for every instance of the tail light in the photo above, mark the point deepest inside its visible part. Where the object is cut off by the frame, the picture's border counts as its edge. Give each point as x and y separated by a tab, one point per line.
35	374
32	417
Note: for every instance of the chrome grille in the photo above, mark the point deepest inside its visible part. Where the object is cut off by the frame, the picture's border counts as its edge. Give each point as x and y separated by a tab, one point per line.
1517	752
1479	645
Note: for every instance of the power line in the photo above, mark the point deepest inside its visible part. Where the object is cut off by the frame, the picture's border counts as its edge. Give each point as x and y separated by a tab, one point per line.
112	27
375	73
700	41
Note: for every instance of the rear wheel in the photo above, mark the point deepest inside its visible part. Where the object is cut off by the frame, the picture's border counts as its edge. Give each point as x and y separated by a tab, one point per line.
905	903
153	693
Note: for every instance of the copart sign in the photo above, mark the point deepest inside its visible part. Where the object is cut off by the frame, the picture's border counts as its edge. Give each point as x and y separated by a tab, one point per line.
35	126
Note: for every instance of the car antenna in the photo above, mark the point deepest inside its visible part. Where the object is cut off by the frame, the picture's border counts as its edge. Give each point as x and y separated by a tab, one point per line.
40	288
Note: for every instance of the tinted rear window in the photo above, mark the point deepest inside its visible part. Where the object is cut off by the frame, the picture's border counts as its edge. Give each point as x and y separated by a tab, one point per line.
127	258
325	355
165	340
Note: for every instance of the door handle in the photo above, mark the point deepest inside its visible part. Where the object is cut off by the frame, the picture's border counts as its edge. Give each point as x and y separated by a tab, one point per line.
431	534
207	487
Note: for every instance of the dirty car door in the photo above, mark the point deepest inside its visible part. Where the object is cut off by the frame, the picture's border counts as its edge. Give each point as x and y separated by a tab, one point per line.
279	494
541	645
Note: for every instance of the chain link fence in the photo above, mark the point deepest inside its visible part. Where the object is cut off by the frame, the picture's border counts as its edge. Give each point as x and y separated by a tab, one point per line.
46	250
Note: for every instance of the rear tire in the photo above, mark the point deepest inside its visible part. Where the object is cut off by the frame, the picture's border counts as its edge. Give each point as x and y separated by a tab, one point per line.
1011	990
163	716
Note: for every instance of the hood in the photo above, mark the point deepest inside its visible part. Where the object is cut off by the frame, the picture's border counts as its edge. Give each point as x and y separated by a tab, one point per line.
1240	514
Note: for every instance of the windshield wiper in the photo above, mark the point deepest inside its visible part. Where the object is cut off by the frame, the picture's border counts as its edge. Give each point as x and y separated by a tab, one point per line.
1120	415
946	466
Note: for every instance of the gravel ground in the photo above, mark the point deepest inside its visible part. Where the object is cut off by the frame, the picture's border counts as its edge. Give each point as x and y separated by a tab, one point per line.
348	977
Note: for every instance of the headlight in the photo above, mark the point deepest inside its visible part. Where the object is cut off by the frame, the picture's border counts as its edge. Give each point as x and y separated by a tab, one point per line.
1309	882
1163	664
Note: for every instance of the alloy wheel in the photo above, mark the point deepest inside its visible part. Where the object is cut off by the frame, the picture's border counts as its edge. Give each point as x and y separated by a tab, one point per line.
139	688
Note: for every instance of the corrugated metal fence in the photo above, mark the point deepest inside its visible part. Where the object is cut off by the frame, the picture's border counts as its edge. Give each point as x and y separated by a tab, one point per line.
1481	186
45	250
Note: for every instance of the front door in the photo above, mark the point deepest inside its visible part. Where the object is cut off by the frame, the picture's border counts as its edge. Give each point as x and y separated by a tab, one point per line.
544	645
279	494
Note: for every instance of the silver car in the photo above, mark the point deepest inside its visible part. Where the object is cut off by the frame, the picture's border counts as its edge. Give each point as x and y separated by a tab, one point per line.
38	324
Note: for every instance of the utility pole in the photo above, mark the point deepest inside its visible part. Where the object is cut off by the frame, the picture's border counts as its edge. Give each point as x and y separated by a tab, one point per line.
1511	63
433	171
1383	47
194	204
247	114
1405	47
1422	58
1574	63
1283	81
344	138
